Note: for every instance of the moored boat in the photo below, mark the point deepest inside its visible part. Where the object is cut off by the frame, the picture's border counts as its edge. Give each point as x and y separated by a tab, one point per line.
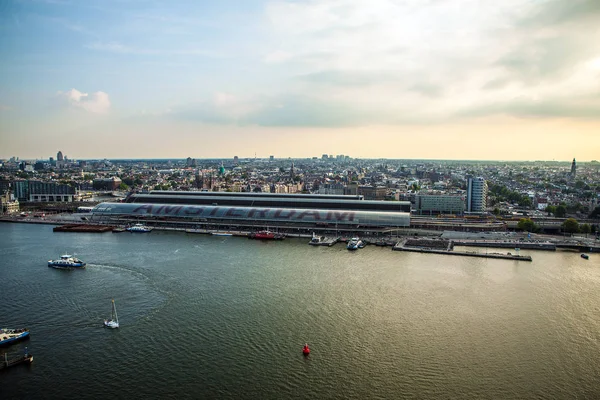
8	336
66	261
316	239
585	256
355	243
266	235
221	233
139	228
196	231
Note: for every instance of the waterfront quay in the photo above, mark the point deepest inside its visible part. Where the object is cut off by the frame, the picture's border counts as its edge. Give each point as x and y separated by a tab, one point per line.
445	247
506	244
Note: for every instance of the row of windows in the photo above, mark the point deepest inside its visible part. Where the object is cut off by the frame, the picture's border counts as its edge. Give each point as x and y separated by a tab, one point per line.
363	205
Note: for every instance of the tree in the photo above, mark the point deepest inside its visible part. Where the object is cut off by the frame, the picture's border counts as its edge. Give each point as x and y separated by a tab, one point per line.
551	210
585	228
525	202
561	211
123	186
527	225
595	213
496	211
571	225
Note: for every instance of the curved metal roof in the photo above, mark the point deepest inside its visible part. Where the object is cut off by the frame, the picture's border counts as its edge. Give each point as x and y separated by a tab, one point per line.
258	195
289	215
279	202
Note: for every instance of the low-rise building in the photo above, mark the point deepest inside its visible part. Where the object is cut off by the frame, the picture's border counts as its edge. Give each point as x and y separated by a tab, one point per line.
433	204
8	204
111	183
373	192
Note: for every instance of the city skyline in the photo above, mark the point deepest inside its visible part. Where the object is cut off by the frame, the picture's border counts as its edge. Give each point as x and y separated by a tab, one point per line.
451	80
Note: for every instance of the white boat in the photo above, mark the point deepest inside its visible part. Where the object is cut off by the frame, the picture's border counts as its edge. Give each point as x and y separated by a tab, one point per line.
355	243
316	239
113	322
139	228
66	261
221	233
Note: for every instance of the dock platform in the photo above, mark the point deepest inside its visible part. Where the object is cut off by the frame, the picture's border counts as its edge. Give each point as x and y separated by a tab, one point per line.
435	248
506	245
83	228
25	359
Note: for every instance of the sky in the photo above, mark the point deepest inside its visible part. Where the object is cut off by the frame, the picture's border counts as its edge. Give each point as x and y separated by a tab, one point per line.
405	79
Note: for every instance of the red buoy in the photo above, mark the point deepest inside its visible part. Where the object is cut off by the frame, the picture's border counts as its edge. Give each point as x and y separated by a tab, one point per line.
305	350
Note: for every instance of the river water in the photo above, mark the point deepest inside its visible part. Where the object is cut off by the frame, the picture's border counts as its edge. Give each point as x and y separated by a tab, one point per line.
226	317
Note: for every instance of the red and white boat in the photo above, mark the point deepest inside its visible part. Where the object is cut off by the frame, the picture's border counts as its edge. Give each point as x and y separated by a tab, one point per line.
266	235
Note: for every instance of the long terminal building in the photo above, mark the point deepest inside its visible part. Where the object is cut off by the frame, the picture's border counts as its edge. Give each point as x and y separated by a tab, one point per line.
291	213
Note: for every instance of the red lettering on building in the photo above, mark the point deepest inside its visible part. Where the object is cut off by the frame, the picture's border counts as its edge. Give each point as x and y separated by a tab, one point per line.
261	212
340	215
174	209
193	210
233	212
278	214
146	207
316	215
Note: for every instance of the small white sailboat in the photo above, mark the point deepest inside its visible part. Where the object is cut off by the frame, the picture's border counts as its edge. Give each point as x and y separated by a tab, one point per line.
113	322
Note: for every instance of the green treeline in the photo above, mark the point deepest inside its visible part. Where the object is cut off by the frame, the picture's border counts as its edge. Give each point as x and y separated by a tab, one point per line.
502	193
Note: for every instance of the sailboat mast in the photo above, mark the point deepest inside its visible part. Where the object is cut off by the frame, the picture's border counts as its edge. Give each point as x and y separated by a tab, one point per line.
115	311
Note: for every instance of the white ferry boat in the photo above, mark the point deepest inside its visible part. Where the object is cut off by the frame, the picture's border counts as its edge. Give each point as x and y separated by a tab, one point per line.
139	228
66	261
355	243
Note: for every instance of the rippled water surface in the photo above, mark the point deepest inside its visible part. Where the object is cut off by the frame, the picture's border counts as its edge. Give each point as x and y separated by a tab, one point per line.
226	317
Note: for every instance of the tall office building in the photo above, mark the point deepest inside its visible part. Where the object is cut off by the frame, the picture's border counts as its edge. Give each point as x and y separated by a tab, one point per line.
477	189
59	156
573	169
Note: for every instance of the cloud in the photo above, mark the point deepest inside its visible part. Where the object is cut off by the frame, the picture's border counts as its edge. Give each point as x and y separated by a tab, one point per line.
441	59
113	47
587	107
557	12
97	102
297	110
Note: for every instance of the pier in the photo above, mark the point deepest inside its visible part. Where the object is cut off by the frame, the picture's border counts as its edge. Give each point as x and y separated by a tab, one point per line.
506	244
83	228
24	359
445	247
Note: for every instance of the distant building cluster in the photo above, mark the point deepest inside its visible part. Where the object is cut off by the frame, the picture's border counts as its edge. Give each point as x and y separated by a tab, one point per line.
432	188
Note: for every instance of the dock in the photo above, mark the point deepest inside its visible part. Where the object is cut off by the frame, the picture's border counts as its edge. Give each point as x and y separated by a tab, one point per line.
506	245
25	359
83	228
445	247
324	241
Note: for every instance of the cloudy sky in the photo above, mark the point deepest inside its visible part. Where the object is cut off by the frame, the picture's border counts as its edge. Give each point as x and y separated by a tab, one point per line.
439	79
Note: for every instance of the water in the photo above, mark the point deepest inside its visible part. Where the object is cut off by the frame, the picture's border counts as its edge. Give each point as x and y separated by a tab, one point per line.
226	317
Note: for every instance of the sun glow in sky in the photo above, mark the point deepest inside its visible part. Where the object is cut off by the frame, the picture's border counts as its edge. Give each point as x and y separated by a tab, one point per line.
443	79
